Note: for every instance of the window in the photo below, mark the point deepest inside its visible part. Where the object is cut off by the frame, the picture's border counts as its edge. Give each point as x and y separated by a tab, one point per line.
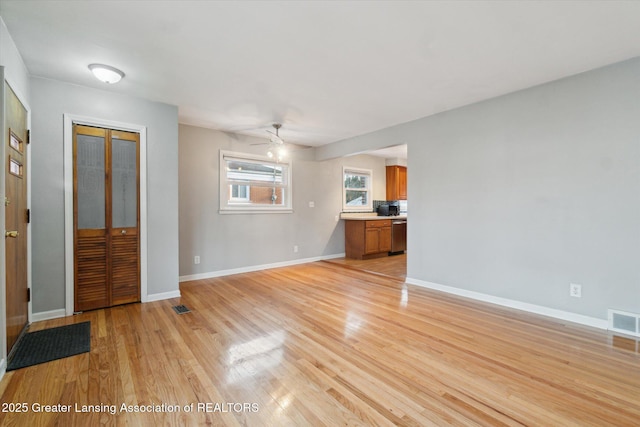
240	194
357	190
250	183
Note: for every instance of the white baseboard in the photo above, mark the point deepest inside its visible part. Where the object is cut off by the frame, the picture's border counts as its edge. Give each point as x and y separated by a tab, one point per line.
47	315
251	268
3	367
54	314
162	296
519	305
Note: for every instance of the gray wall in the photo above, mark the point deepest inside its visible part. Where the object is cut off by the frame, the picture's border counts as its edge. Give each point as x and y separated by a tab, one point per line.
521	195
14	71
232	241
52	99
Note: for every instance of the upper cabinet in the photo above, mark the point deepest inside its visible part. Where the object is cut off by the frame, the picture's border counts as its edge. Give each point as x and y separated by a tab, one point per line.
396	183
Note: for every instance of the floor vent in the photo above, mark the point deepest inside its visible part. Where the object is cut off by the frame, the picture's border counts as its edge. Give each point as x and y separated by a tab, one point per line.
181	309
624	322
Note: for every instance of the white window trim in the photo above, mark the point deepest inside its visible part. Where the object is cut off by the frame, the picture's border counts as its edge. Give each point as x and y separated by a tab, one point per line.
242	208
369	206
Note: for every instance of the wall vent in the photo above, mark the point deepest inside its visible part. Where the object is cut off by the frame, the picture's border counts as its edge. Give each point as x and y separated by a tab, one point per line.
624	322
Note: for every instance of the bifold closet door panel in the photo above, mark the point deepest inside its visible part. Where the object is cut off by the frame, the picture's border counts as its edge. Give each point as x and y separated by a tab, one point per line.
125	217
90	237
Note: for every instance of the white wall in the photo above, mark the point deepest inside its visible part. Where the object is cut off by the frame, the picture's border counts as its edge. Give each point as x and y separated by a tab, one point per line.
51	100
236	241
519	196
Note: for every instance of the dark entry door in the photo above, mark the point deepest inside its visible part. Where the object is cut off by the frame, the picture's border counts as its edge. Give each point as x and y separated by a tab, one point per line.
16	220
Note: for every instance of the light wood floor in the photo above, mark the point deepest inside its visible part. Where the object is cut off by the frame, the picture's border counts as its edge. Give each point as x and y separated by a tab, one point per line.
394	266
322	344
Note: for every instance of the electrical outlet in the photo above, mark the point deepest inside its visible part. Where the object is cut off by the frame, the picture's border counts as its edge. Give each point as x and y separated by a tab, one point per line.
575	290
196	259
312	204
295	249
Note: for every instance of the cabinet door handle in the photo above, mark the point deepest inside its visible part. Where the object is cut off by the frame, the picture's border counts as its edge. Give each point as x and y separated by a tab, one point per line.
13	234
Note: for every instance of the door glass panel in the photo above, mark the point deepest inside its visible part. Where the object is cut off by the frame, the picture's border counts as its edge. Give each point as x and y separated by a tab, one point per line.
90	173
124	183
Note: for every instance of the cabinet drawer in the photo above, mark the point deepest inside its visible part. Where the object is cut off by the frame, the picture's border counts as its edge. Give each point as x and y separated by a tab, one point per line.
379	223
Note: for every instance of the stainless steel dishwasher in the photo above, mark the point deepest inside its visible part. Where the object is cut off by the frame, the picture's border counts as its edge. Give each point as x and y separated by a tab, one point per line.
398	236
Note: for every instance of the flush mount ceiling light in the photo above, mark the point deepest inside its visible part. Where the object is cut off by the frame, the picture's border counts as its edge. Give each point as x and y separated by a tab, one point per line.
106	73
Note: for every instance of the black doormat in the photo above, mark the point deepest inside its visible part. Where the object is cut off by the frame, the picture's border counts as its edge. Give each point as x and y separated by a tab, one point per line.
51	344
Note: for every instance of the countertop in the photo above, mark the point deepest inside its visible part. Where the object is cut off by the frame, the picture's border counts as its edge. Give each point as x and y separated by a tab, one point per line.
366	216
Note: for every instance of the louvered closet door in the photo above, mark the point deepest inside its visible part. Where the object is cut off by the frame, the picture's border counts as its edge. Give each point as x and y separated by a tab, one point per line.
106	217
125	247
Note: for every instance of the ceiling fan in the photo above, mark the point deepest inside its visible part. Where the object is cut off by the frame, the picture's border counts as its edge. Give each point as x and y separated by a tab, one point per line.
275	138
275	146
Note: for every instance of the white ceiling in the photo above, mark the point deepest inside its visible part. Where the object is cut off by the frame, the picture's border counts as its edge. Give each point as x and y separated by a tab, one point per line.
327	70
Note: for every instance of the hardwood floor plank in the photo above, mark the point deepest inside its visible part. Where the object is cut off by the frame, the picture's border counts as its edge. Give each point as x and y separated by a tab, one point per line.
330	344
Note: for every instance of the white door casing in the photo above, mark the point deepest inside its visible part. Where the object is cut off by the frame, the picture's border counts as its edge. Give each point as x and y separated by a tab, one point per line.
69	121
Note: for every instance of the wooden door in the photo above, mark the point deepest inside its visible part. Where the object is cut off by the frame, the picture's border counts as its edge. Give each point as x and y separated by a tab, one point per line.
124	218
106	217
17	217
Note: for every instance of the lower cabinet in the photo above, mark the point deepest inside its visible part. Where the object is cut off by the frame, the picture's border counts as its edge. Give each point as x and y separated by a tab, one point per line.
367	239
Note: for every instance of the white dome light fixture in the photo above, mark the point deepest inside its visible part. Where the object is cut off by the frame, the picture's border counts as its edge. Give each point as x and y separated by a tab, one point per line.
106	73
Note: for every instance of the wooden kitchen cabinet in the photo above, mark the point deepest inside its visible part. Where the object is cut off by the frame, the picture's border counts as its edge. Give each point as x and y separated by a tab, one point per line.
367	238
396	182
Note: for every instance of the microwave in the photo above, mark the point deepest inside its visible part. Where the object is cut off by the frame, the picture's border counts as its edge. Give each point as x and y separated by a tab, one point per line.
388	210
